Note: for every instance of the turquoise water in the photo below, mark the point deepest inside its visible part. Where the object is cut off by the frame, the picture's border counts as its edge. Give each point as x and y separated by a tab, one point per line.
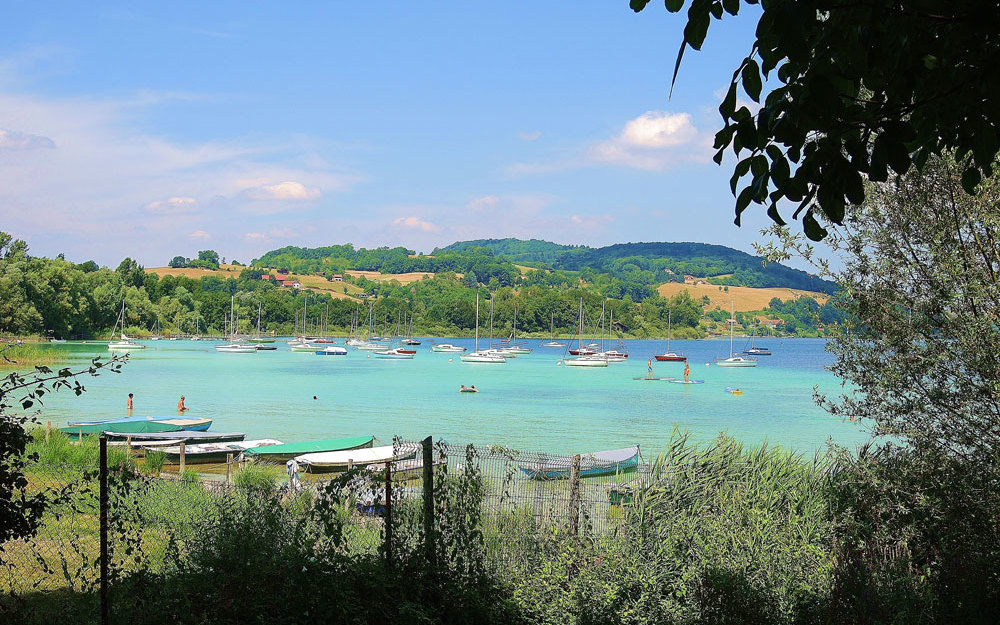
529	403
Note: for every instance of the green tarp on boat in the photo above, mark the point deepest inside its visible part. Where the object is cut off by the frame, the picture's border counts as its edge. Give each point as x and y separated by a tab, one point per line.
134	425
290	450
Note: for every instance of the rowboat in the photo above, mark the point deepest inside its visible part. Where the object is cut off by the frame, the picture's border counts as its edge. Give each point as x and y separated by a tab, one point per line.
287	451
137	424
329	461
591	465
187	436
213	452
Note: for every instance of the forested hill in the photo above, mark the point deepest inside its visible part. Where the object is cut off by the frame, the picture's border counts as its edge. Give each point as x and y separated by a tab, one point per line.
668	262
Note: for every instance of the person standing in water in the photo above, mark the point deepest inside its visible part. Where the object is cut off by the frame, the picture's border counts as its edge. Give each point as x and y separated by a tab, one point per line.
128	404
687	371
181	408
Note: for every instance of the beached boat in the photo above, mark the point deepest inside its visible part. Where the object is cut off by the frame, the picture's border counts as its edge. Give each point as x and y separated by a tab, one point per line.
176	436
137	424
591	465
213	452
287	451
329	461
332	350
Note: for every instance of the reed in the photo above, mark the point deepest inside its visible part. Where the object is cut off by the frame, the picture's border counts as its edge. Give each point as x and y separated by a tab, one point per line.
26	355
255	475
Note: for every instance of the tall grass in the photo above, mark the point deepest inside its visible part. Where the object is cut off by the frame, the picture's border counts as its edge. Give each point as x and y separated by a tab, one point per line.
257	475
26	355
61	449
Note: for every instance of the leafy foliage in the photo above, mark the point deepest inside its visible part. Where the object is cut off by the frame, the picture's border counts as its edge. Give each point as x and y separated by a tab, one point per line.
863	89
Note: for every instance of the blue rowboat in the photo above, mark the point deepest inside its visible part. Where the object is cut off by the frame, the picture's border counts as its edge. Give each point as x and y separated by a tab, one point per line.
591	465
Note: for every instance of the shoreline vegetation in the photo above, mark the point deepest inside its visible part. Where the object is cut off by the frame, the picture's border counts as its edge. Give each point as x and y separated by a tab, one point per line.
83	300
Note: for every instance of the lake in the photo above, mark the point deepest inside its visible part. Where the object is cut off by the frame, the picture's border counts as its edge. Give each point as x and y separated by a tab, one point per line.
530	402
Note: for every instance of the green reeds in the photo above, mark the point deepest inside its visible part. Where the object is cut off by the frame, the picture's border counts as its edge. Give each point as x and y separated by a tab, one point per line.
257	475
57	448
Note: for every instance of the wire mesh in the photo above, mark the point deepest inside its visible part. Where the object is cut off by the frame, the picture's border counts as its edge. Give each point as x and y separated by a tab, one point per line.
161	518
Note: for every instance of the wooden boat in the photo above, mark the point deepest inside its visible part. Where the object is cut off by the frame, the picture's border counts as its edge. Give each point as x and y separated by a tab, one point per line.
330	461
187	436
213	452
591	465
287	451
137	424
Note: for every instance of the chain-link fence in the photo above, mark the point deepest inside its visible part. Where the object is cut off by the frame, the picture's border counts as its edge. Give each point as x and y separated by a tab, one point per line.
423	498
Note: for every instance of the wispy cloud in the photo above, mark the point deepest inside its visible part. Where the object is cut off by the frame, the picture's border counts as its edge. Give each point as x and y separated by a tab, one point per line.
288	190
200	235
529	136
14	140
173	206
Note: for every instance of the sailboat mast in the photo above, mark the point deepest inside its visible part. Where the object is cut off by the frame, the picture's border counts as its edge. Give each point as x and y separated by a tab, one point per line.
732	322
477	320
491	321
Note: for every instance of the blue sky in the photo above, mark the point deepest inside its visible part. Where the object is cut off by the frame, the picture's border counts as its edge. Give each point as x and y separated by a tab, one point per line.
155	129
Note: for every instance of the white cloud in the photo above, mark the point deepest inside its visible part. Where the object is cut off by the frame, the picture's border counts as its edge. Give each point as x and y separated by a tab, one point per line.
653	141
173	206
415	223
14	140
529	136
288	190
200	235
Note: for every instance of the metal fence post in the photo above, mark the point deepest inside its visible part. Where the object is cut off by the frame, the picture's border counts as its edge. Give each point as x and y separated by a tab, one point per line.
574	495
429	498
388	513
229	468
180	467
103	471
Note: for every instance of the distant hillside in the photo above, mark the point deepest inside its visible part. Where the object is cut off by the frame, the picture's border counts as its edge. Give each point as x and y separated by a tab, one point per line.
653	263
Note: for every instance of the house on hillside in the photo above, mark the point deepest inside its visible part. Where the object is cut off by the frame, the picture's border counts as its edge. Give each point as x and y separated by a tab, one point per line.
689	279
338	277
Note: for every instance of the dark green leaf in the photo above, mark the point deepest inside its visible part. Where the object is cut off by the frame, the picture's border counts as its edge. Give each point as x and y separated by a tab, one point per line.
732	6
813	230
674	5
638	5
751	80
970	180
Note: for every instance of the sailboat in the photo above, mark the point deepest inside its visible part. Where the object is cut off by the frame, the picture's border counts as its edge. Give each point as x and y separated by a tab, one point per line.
262	344
619	354
156	334
125	344
734	360
756	350
486	356
588	358
513	348
552	331
234	346
409	340
669	356
395	353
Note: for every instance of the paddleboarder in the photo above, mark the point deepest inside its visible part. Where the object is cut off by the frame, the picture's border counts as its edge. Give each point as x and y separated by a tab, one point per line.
687	371
649	366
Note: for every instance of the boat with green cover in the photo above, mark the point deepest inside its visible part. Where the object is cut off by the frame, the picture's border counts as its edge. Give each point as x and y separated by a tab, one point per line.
132	425
284	453
213	452
187	436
